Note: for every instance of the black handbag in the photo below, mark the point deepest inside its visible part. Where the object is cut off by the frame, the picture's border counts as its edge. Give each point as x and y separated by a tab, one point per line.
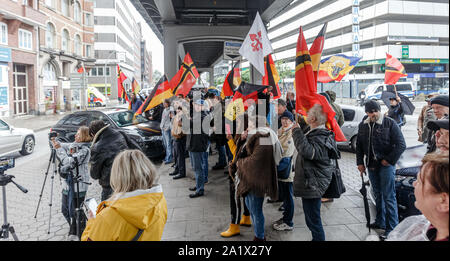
336	187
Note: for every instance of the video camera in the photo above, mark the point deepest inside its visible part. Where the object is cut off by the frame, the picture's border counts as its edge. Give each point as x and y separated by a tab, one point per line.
52	134
6	163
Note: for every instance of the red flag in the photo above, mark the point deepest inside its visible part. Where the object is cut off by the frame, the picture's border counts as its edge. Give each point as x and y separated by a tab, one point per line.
394	70
232	81
120	79
271	76
185	78
316	51
306	89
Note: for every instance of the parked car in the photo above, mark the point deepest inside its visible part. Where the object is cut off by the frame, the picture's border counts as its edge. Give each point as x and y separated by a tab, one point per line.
353	116
374	91
146	133
15	140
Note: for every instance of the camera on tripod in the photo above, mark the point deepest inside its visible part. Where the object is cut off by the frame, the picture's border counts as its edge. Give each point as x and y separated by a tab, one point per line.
6	163
52	134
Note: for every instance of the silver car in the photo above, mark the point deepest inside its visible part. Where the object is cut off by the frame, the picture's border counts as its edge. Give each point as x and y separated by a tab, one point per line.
352	118
15	140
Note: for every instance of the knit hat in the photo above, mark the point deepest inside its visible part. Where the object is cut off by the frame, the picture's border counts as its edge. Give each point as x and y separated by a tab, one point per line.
438	124
287	114
372	106
441	100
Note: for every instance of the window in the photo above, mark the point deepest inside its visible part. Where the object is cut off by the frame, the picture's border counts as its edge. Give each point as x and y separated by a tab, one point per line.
77	12
349	115
65	40
25	39
50	3
88	51
77	45
100	71
49	72
65	7
3	125
108	71
50	36
77	120
3	33
88	19
93	72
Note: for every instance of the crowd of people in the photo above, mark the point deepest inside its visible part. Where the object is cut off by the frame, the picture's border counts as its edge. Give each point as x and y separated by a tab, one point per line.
273	153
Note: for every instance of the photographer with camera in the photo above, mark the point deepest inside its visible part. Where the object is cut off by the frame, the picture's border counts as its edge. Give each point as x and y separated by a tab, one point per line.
74	158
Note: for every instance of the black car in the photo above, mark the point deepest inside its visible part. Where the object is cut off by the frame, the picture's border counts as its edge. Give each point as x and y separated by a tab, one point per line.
146	133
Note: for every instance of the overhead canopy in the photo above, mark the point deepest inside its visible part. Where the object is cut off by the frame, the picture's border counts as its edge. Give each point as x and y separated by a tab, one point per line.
158	13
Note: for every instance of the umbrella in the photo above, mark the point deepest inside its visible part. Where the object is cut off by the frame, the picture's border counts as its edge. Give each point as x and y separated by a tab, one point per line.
363	191
407	106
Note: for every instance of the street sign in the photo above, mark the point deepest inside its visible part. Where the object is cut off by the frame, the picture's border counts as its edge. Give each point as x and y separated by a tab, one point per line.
231	50
405	51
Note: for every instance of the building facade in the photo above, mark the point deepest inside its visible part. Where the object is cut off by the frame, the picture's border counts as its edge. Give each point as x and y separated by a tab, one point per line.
67	53
415	32
117	42
20	22
146	66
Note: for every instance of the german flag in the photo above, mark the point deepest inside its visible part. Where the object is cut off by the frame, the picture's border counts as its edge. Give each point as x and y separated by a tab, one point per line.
394	70
271	76
135	88
80	68
120	79
232	81
316	51
185	78
242	95
306	88
159	93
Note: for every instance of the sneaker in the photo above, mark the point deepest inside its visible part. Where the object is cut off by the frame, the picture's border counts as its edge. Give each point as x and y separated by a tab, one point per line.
196	195
217	166
193	188
73	238
283	227
278	222
375	226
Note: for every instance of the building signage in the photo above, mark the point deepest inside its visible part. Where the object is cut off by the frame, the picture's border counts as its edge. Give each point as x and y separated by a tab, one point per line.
231	50
5	54
4	98
405	51
355	28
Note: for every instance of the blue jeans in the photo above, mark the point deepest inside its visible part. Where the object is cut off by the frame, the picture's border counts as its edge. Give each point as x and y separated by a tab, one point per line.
167	138
255	206
287	194
311	208
196	159
382	181
204	161
222	156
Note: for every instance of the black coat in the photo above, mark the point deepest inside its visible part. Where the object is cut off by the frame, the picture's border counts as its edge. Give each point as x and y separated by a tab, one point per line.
198	142
387	140
317	151
107	143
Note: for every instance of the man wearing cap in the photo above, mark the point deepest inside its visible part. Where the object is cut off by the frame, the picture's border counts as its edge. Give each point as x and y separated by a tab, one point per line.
440	108
425	116
197	144
381	142
440	127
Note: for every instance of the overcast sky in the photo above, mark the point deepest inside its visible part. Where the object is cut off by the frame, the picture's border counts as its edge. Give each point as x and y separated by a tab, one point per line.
153	43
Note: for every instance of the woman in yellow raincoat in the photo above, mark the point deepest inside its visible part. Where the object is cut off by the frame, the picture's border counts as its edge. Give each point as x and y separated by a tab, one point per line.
137	210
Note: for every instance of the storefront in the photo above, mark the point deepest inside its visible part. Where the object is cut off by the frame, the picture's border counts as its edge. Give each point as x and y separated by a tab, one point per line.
50	86
5	58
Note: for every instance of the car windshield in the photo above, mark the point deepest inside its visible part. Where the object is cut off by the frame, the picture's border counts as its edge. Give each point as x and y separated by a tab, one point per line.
125	118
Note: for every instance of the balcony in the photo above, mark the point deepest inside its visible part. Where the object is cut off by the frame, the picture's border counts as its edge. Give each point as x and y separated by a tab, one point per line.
33	14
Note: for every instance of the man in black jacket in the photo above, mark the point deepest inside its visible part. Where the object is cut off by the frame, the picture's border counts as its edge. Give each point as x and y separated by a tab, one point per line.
381	142
107	143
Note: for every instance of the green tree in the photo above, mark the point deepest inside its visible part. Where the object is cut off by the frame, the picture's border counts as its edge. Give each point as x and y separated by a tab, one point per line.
156	76
245	75
219	80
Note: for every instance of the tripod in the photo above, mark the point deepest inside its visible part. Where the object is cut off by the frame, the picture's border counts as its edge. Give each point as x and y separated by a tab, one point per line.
6	228
52	161
77	179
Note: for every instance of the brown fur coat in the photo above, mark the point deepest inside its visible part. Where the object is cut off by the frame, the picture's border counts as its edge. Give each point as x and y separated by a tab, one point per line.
257	169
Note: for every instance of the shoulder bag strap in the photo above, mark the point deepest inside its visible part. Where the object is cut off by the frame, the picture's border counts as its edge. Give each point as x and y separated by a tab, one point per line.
138	235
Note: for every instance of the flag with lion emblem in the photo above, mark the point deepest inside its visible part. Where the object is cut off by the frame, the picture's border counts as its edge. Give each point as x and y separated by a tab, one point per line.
335	67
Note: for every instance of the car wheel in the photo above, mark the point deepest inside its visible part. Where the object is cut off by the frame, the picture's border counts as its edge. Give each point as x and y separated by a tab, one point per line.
353	144
28	146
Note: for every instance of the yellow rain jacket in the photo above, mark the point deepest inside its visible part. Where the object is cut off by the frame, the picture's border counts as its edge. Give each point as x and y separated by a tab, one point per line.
121	220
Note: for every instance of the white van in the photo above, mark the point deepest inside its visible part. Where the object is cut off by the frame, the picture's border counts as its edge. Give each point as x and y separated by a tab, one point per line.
95	97
374	91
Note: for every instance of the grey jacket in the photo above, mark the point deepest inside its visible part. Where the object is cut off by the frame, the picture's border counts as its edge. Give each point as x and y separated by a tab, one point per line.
81	151
317	151
165	120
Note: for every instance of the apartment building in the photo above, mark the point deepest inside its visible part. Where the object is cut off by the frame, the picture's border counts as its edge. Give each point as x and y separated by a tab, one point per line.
146	66
20	22
66	51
